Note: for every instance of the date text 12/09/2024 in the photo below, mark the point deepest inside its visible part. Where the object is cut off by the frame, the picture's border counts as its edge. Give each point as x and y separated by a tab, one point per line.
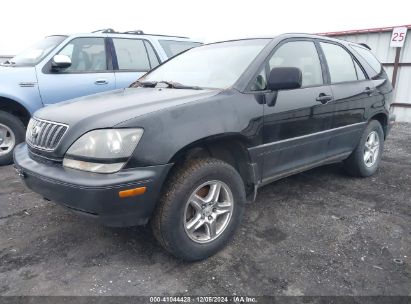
204	299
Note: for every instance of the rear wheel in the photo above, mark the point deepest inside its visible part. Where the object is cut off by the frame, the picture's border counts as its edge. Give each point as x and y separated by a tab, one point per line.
200	209
12	132
365	159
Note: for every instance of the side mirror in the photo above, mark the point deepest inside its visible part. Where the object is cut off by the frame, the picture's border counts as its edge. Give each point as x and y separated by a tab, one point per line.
285	79
60	62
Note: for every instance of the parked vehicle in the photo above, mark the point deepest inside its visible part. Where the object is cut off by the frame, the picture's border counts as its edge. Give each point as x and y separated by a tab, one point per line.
64	67
197	136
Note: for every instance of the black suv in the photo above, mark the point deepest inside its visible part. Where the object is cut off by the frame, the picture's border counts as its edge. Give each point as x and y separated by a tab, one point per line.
190	142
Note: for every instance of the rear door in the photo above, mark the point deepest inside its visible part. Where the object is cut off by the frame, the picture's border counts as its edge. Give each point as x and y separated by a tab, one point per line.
295	127
132	59
352	91
90	72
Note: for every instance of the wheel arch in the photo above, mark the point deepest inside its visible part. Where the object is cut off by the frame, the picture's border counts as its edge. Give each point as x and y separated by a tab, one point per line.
15	108
230	148
382	118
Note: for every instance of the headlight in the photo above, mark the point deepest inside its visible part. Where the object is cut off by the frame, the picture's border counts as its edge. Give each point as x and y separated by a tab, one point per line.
102	151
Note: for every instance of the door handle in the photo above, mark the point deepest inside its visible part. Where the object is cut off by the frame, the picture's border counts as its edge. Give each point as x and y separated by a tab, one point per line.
101	81
369	90
323	98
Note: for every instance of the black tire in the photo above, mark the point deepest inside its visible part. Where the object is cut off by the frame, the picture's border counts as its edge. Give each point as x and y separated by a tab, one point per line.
168	221
355	164
18	129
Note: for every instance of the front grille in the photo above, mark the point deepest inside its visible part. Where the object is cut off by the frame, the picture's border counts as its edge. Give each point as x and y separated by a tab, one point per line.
44	135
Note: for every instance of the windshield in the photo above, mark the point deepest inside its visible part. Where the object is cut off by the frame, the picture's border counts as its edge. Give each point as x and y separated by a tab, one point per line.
216	65
174	47
37	52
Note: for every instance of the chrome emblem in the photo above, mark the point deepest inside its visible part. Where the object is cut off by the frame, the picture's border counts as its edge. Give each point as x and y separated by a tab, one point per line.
35	131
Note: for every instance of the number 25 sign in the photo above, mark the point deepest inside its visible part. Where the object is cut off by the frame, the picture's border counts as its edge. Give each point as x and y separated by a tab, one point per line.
398	36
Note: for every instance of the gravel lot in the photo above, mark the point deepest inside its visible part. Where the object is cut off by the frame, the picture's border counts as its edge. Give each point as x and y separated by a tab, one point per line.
316	233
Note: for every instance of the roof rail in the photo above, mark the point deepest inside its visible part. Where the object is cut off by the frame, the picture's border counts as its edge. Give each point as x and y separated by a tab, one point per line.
107	30
137	32
134	32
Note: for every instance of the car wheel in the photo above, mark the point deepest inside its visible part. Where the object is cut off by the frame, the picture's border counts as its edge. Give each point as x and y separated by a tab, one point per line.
366	157
12	132
200	209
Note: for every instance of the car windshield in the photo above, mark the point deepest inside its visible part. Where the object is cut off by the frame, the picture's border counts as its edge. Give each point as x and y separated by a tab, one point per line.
174	47
36	52
217	65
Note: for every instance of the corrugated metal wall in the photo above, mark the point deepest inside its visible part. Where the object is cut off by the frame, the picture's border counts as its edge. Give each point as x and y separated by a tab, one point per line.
380	45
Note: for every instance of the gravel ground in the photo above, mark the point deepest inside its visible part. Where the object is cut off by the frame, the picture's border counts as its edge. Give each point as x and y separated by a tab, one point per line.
315	233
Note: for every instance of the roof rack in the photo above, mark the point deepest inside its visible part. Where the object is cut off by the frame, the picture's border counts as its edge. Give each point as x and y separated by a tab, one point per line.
135	32
107	30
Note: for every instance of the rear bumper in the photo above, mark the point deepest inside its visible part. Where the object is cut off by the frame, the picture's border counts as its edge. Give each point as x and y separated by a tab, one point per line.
93	194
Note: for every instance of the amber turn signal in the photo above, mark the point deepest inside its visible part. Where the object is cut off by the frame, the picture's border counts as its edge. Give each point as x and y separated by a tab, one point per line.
132	192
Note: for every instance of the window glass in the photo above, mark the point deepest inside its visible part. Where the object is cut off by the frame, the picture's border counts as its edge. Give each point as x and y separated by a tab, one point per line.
260	82
173	47
369	57
302	55
217	65
151	55
131	54
87	54
340	63
37	52
360	73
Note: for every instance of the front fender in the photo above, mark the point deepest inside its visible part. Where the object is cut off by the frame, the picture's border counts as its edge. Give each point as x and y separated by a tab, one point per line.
20	85
168	131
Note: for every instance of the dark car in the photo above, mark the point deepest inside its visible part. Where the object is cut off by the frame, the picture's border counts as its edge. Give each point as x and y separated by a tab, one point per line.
189	143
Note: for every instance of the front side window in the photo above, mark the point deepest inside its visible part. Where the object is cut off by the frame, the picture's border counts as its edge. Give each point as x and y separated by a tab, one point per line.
37	52
217	65
340	63
174	47
86	54
131	54
302	55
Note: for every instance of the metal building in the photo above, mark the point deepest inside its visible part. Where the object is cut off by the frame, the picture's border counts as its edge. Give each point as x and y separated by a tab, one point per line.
396	61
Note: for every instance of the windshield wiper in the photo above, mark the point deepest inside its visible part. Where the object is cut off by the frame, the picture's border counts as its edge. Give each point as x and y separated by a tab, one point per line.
143	84
169	84
177	85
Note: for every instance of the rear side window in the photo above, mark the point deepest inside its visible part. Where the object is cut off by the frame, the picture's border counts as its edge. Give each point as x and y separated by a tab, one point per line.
302	55
151	55
369	57
340	63
131	54
173	47
360	73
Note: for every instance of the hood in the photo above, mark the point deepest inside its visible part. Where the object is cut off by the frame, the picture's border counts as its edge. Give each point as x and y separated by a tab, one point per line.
108	109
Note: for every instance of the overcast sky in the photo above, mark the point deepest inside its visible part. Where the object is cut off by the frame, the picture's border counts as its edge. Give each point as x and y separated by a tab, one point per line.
23	22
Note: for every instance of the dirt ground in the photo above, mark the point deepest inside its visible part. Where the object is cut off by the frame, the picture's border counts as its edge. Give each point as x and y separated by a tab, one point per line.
316	233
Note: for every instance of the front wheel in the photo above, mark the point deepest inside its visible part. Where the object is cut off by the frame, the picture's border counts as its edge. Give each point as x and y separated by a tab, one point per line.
12	132
366	157
200	209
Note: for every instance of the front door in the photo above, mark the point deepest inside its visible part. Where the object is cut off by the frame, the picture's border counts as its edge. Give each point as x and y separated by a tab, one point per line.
296	126
89	73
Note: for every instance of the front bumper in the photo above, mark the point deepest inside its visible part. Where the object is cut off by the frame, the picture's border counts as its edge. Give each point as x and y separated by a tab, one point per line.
94	194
